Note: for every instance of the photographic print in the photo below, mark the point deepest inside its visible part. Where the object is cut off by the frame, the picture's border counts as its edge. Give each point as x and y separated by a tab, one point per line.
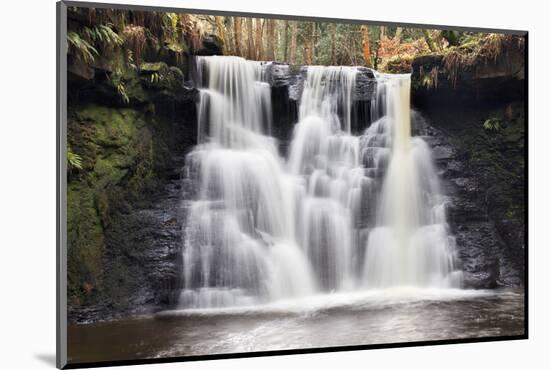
241	184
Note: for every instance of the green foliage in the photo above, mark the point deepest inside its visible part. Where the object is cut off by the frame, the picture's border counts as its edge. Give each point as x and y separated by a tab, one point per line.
492	124
452	37
155	77
153	67
74	161
81	48
130	60
429	80
117	79
85	42
170	24
103	35
478	48
121	89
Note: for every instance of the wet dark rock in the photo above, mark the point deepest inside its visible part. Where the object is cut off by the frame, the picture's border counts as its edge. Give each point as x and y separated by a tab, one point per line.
480	280
282	74
489	244
293	77
365	84
211	45
287	82
80	70
441	152
142	260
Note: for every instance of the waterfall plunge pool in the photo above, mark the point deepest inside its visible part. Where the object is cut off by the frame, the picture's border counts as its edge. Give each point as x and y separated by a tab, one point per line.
341	319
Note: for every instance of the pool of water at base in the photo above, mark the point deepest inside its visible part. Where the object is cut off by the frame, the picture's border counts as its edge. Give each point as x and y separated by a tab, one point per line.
331	320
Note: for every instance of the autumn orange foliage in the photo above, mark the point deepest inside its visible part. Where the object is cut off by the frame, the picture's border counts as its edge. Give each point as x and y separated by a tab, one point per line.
393	48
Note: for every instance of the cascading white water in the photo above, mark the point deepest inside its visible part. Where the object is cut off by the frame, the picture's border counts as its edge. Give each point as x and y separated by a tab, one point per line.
239	244
410	243
262	227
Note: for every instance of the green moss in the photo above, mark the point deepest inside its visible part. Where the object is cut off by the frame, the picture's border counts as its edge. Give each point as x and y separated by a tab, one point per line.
113	127
153	67
110	171
85	241
118	159
158	76
176	47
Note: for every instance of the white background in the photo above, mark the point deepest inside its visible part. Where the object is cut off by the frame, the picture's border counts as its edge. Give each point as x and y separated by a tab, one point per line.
27	203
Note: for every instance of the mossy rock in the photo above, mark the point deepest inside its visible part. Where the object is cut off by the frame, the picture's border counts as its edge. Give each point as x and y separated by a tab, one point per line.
149	68
158	76
173	54
85	241
111	170
122	167
134	89
113	127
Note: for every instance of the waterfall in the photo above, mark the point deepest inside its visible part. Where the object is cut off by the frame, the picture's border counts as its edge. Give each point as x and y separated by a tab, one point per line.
341	213
409	243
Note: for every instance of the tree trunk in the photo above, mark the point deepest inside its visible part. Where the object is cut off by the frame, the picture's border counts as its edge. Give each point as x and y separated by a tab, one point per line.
237	35
366	45
229	39
294	34
314	36
271	38
333	44
351	49
285	43
308	41
251	52
259	39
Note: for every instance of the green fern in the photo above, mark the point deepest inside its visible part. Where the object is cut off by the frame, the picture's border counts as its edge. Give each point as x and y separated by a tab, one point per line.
155	78
88	40
118	82
130	59
83	49
104	35
121	89
492	124
74	161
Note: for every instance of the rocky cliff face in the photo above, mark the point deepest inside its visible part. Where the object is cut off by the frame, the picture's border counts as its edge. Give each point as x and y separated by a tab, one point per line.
485	199
476	114
131	130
